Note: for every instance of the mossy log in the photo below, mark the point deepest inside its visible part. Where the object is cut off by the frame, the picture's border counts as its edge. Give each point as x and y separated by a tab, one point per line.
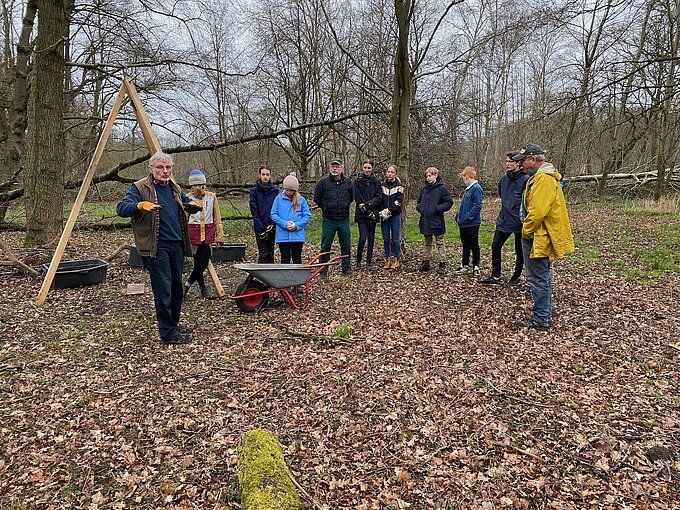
263	475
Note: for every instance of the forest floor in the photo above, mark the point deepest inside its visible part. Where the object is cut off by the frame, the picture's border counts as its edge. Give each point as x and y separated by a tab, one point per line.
392	390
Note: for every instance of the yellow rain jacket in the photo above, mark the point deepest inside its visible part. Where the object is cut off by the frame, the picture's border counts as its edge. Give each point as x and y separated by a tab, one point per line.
546	215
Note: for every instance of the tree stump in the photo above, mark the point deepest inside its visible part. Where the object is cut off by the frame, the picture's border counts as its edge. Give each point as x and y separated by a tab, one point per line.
263	475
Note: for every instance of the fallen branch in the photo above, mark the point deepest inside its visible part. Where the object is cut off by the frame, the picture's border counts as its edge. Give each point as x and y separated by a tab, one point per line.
117	251
13	261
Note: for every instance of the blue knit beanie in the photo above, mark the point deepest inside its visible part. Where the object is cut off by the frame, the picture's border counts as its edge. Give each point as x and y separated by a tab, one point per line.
196	177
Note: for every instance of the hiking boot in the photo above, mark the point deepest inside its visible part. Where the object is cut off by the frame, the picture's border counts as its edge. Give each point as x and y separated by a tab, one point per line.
396	263
476	272
357	266
185	331
492	280
513	282
442	268
462	270
388	263
424	266
179	338
532	323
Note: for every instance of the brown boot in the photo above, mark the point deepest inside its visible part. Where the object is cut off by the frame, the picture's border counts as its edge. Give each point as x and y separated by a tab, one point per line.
388	263
396	264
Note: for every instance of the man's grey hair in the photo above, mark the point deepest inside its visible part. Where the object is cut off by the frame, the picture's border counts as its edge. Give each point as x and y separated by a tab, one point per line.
540	157
160	156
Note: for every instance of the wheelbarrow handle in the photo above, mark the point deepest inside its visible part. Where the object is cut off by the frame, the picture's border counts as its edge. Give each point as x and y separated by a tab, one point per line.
318	257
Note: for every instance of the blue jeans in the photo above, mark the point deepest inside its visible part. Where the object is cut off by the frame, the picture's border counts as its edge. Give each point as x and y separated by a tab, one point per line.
165	270
390	232
537	272
328	230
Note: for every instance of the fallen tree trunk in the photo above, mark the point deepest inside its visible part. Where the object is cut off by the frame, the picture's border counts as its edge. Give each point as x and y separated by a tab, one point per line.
263	475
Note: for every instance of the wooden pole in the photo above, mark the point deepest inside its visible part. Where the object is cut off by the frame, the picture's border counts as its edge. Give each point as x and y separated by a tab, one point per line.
80	199
154	146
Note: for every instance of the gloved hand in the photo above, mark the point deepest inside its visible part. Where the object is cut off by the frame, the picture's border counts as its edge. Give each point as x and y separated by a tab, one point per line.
193	207
371	217
362	207
148	206
270	228
385	213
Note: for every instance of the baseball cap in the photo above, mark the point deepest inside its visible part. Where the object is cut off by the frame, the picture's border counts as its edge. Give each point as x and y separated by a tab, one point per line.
530	149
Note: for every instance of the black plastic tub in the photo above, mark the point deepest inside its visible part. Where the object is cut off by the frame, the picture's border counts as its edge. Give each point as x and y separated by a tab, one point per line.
76	273
135	259
229	253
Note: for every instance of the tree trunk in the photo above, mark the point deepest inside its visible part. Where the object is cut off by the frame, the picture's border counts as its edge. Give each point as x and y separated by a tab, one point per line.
401	95
17	113
44	178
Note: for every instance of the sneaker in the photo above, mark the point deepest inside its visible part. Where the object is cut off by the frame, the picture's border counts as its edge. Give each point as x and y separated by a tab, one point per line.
187	288
461	270
513	282
492	280
475	271
532	323
179	338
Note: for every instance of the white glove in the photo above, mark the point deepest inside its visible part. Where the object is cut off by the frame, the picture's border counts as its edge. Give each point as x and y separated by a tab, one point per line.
385	213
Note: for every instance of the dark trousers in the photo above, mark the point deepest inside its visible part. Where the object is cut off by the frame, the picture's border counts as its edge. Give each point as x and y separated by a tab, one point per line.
366	233
469	237
165	271
201	259
328	230
291	251
265	248
499	239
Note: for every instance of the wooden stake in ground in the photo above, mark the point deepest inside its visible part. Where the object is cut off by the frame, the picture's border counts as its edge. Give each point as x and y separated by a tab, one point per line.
129	90
80	199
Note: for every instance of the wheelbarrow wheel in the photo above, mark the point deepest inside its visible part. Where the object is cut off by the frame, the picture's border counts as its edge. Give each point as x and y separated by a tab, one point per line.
250	304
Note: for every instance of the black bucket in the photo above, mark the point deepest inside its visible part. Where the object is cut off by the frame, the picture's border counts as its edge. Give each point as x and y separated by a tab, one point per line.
229	253
76	273
135	259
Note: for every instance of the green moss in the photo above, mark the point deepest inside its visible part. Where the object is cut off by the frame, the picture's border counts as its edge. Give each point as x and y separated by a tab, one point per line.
263	475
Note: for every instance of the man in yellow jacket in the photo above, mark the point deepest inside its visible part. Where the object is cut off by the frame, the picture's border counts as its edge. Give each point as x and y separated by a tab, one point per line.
546	232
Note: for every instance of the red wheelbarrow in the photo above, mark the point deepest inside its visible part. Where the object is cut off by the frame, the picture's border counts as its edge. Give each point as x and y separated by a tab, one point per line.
264	279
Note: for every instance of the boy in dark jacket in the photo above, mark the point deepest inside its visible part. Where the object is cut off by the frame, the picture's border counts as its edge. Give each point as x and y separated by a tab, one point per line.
433	202
261	199
510	189
368	197
334	194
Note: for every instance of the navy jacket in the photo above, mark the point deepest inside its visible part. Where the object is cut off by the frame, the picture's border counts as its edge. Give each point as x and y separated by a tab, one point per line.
367	190
433	202
469	211
261	200
393	196
510	189
334	197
